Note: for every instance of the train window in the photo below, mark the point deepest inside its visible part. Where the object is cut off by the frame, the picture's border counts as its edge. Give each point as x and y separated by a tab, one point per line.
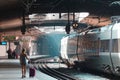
88	46
95	30
118	45
115	45
104	46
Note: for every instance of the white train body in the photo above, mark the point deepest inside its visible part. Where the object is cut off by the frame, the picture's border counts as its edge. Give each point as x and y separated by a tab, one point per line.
99	48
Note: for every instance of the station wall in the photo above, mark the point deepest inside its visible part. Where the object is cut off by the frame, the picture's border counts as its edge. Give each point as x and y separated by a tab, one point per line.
3	50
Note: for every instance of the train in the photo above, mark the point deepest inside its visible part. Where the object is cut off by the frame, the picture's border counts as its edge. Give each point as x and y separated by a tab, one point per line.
98	48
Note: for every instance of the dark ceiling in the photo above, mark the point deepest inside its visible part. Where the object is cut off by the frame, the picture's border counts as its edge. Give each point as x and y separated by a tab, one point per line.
97	7
13	9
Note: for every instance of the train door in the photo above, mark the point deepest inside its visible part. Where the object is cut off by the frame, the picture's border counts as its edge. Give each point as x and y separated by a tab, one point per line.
115	47
114	51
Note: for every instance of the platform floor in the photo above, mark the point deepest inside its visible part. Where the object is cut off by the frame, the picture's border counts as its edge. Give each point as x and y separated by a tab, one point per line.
10	70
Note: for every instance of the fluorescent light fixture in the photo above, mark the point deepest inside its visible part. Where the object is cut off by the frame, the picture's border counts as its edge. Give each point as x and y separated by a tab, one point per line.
52	29
82	15
32	15
52	16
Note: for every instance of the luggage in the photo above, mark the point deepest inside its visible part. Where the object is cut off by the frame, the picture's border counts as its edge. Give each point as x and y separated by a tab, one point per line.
31	72
16	56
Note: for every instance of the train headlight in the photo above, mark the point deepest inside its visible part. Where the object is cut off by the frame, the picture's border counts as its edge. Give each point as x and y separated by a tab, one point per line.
75	25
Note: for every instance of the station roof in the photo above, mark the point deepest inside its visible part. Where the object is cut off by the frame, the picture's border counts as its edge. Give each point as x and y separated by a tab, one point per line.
11	11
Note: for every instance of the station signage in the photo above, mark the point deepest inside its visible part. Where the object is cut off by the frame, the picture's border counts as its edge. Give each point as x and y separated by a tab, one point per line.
3	43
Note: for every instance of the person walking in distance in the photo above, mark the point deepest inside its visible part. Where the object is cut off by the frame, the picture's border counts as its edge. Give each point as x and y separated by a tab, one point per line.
23	58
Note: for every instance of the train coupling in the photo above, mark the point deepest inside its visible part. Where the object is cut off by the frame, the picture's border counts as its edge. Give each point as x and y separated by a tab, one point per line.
107	68
117	69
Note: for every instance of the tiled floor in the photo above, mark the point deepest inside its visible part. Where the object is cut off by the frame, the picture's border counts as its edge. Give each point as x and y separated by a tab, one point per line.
10	70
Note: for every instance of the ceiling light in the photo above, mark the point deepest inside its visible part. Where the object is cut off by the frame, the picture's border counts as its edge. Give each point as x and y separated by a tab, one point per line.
32	15
82	15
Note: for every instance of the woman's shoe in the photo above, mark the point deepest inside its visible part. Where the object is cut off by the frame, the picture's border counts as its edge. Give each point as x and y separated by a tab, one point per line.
23	76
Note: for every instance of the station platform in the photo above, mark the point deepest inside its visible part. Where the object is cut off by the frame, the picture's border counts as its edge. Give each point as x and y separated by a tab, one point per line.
10	69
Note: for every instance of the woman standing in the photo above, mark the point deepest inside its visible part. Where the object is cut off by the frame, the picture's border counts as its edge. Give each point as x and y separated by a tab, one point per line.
23	57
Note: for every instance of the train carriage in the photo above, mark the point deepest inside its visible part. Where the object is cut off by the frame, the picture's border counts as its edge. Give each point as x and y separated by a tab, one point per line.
99	48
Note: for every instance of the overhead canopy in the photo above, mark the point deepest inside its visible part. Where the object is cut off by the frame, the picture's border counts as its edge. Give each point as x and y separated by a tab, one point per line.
11	11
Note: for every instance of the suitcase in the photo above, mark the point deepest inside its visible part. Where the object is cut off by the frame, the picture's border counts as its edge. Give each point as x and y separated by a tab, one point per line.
31	72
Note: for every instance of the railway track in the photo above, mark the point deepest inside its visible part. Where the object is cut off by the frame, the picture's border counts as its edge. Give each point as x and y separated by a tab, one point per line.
42	66
51	68
52	72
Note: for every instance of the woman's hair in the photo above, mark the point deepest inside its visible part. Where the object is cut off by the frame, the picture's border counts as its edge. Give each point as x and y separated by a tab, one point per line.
23	50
